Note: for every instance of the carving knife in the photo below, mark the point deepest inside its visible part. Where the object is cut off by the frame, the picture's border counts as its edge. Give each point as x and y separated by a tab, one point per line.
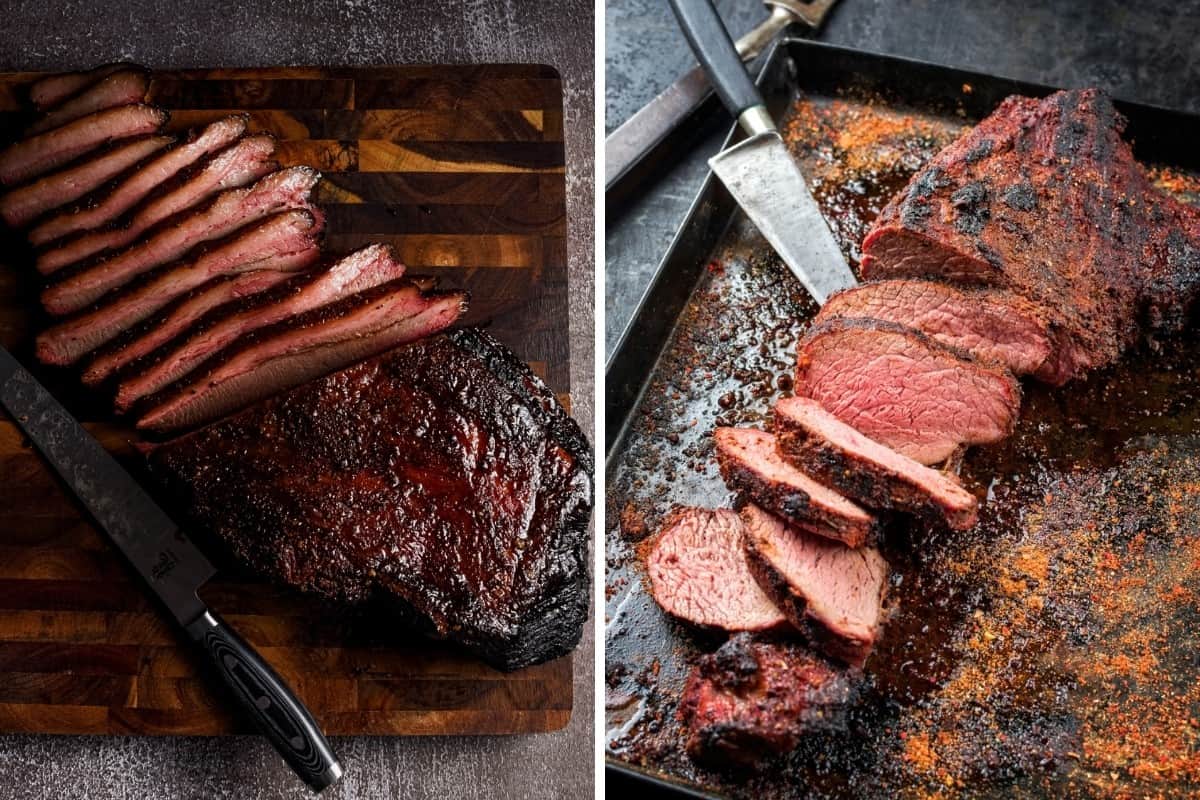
654	123
759	171
171	567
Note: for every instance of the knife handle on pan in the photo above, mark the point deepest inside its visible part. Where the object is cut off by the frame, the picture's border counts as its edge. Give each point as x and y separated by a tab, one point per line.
716	52
277	713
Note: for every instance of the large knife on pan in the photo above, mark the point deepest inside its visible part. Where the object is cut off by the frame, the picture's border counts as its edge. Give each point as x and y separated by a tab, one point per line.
170	565
655	124
759	171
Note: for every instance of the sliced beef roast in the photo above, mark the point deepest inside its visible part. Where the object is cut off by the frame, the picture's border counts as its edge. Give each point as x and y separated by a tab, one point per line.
233	209
1045	199
754	468
365	269
53	90
242	163
37	155
994	325
903	389
305	347
284	243
442	475
753	699
101	211
698	573
836	454
830	592
23	205
122	88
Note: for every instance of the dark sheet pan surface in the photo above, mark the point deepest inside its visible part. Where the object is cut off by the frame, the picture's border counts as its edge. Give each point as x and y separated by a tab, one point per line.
1052	650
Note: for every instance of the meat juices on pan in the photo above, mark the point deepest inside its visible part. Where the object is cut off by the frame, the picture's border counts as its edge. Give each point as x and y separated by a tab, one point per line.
876	476
830	592
752	466
904	390
698	573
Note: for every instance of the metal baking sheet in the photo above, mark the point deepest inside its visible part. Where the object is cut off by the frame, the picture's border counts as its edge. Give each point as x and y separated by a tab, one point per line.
1053	650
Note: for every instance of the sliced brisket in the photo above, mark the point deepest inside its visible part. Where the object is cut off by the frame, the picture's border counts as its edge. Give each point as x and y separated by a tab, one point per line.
994	325
839	456
442	475
754	699
284	243
233	209
103	210
830	592
23	205
53	90
122	88
40	154
754	468
305	347
698	573
905	390
365	269
242	163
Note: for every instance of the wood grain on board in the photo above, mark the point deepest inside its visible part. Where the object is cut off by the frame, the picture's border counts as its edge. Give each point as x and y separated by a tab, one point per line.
462	170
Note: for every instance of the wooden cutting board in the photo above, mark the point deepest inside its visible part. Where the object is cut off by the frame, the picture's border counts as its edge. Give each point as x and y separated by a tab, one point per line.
462	169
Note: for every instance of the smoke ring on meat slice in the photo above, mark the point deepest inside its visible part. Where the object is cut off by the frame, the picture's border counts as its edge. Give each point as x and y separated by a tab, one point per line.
122	88
53	90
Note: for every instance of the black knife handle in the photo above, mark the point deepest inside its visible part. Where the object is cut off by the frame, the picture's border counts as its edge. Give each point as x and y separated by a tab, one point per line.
277	713
714	49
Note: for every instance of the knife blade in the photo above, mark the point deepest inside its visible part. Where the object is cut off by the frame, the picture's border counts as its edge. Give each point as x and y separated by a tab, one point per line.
650	127
169	564
759	172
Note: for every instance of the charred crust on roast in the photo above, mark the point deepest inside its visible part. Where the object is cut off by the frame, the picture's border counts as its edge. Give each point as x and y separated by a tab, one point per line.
1020	197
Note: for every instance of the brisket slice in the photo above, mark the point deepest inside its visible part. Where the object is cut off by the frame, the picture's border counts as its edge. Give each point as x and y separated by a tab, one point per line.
277	358
52	90
905	390
231	210
1045	199
365	269
830	592
22	206
99	211
994	325
465	500
838	455
753	467
284	243
122	88
698	573
40	154
175	319
753	699
244	162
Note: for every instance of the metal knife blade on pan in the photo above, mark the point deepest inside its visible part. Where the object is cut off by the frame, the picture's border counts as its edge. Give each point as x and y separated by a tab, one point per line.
654	123
171	566
759	172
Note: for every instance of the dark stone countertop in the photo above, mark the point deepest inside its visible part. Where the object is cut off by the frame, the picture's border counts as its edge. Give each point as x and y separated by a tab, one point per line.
66	34
1144	51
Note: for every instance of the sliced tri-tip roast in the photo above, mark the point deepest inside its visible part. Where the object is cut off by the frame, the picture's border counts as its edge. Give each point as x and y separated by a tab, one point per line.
286	243
993	325
839	456
37	155
1043	198
285	355
752	699
242	163
905	390
161	171
23	205
698	573
231	210
753	467
832	593
365	269
53	90
442	476
122	88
